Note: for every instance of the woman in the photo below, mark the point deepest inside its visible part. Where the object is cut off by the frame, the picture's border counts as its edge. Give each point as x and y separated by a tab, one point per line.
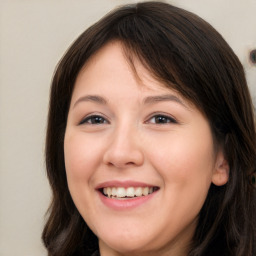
151	140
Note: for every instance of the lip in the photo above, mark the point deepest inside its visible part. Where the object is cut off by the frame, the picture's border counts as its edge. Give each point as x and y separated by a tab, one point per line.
124	204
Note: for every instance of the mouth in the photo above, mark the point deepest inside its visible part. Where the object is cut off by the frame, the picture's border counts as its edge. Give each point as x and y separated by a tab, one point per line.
122	193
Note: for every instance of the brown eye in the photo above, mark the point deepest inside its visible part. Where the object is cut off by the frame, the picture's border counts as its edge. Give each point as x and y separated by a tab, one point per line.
162	119
94	120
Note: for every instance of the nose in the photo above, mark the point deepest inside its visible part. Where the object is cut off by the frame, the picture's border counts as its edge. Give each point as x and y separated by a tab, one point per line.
124	149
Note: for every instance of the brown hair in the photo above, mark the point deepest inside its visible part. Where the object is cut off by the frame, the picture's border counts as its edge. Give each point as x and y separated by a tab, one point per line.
188	55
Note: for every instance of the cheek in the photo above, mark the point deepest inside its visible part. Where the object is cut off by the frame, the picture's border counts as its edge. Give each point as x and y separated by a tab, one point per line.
81	158
185	159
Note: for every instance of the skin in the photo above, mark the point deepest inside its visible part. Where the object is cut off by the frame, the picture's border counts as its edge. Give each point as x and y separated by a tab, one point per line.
128	142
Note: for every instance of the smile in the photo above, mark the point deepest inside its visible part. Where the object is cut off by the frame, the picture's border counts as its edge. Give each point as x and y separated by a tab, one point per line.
123	193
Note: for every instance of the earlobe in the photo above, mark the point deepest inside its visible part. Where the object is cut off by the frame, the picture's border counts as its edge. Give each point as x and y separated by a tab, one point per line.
221	172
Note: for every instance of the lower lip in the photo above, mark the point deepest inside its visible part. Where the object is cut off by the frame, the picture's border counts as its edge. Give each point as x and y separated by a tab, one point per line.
125	204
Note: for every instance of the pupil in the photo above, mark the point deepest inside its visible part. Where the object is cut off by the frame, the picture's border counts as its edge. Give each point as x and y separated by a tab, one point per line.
97	120
160	119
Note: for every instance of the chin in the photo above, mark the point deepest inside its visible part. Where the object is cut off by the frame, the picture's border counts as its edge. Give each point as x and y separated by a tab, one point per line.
126	245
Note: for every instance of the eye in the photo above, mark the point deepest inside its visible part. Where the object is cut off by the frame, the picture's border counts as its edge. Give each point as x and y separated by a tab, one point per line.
162	119
94	120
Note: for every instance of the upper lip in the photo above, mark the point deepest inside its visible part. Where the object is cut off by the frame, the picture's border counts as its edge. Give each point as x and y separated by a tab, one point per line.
124	184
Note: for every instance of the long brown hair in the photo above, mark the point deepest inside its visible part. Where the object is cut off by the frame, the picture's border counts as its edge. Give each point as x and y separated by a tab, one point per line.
188	55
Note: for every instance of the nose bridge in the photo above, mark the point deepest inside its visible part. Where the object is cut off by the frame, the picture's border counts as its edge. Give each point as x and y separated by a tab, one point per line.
124	147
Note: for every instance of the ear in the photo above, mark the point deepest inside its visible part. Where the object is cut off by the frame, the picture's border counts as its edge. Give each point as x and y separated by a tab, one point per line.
221	171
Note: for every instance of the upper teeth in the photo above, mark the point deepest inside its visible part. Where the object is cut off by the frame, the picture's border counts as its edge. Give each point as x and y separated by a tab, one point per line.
120	192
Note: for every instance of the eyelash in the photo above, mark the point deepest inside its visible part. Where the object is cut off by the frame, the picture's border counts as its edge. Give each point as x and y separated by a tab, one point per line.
89	120
98	120
165	119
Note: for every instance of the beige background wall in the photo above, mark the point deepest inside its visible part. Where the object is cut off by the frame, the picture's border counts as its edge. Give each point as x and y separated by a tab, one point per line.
33	36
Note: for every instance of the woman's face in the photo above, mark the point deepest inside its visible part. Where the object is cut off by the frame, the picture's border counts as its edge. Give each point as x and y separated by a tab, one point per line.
139	158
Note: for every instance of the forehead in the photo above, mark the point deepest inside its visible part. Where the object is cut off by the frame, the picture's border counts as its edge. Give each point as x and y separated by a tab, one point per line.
111	68
113	59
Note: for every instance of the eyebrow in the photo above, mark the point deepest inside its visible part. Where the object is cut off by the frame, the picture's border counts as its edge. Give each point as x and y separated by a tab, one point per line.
148	100
165	97
92	98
